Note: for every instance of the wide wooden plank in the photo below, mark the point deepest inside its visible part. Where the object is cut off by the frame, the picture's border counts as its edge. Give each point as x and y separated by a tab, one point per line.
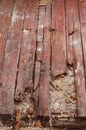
31	14
6	8
78	58
10	63
82	11
43	106
26	65
58	39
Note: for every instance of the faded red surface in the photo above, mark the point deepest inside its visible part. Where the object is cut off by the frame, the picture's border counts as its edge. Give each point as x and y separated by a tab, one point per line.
37	43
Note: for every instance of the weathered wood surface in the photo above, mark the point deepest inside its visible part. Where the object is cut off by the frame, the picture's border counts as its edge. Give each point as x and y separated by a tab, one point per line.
75	53
70	6
58	38
26	65
39	53
9	70
82	11
42	65
31	14
33	47
6	8
43	108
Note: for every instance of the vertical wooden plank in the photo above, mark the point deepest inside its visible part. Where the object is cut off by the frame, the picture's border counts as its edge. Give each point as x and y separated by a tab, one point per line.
70	6
26	65
9	69
31	14
43	106
6	8
39	52
82	11
78	56
40	33
58	38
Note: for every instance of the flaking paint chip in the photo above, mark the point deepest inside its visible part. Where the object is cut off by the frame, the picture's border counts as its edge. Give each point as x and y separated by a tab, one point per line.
44	2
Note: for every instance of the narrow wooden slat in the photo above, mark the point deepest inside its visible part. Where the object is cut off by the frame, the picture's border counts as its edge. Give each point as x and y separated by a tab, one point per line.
26	66
31	14
78	57
39	52
6	8
9	69
40	33
43	106
70	6
58	38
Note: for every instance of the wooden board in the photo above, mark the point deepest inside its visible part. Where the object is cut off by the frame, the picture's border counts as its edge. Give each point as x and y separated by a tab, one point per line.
82	11
39	53
31	14
42	65
78	56
58	39
70	6
6	8
11	57
26	65
44	106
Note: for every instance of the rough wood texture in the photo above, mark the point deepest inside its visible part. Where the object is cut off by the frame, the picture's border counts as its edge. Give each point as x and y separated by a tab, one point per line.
33	48
9	70
82	11
31	14
58	38
6	8
26	65
70	6
43	107
76	49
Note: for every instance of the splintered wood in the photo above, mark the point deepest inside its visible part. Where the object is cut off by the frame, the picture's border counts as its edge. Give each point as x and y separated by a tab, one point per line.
38	40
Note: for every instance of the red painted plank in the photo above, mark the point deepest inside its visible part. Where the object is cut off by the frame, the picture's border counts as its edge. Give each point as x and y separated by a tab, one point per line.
82	9
39	52
42	65
31	14
58	38
12	51
70	7
6	8
40	33
36	83
43	106
78	57
26	66
79	75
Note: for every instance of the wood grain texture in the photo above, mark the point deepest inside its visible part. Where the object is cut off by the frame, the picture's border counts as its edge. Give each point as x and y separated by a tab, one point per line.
11	57
58	38
77	54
